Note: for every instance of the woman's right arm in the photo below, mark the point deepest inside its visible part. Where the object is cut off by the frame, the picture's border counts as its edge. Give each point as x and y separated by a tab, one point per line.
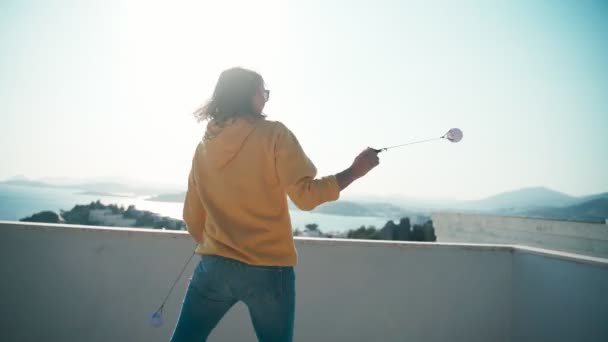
297	173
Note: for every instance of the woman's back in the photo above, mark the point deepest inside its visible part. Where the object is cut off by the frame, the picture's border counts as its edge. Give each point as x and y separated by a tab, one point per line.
240	175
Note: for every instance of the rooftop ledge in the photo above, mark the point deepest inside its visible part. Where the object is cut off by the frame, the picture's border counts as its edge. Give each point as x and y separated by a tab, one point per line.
129	231
101	284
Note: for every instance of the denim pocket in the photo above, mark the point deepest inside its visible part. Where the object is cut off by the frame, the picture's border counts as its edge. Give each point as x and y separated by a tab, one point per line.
209	280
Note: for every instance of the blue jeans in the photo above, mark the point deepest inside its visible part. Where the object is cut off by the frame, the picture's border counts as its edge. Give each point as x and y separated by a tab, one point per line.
218	283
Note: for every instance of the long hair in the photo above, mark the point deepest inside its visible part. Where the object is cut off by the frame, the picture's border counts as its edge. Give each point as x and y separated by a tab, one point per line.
232	97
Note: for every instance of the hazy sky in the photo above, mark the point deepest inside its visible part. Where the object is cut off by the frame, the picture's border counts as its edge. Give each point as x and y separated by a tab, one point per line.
106	88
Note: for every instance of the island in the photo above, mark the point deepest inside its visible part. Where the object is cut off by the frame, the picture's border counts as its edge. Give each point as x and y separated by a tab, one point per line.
99	214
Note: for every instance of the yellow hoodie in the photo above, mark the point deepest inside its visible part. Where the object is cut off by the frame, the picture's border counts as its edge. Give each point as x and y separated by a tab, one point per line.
236	203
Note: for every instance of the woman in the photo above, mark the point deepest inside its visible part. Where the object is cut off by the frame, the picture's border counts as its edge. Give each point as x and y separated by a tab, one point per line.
236	210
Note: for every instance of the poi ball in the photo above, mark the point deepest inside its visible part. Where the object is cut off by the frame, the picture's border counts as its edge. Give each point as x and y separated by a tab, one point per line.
156	320
454	135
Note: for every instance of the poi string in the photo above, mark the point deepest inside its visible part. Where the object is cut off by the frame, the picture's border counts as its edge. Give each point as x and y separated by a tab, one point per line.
156	319
454	135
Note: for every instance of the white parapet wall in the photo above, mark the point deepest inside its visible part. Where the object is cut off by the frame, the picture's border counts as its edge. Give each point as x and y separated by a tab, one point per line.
575	237
94	284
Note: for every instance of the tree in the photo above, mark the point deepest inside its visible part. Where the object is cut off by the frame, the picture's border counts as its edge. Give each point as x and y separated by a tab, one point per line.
424	232
313	227
417	233
43	216
388	231
369	233
131	212
96	205
402	233
80	213
429	231
145	220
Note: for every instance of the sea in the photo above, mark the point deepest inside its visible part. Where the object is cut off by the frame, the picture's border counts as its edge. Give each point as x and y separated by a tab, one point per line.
20	201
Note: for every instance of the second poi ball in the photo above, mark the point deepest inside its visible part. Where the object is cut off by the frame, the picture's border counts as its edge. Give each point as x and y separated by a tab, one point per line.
156	319
454	135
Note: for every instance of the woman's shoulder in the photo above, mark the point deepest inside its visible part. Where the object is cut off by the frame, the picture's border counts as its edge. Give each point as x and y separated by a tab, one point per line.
272	126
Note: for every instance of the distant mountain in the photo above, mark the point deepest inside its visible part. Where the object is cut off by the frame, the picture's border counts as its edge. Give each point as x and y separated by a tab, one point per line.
175	197
105	194
18	178
111	188
348	208
412	204
595	210
506	202
98	186
26	182
527	198
368	209
592	197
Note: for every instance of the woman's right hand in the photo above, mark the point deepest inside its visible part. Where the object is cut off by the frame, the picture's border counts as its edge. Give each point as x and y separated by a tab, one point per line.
364	162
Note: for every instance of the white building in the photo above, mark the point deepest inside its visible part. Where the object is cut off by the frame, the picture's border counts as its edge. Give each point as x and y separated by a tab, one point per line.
105	217
575	237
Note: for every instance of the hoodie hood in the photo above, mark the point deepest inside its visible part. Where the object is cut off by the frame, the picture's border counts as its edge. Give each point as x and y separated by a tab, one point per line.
223	142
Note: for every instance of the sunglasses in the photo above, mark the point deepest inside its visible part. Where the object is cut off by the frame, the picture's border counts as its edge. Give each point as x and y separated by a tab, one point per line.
266	95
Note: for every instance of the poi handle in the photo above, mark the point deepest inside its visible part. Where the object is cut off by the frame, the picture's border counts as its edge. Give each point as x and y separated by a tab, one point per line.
377	150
